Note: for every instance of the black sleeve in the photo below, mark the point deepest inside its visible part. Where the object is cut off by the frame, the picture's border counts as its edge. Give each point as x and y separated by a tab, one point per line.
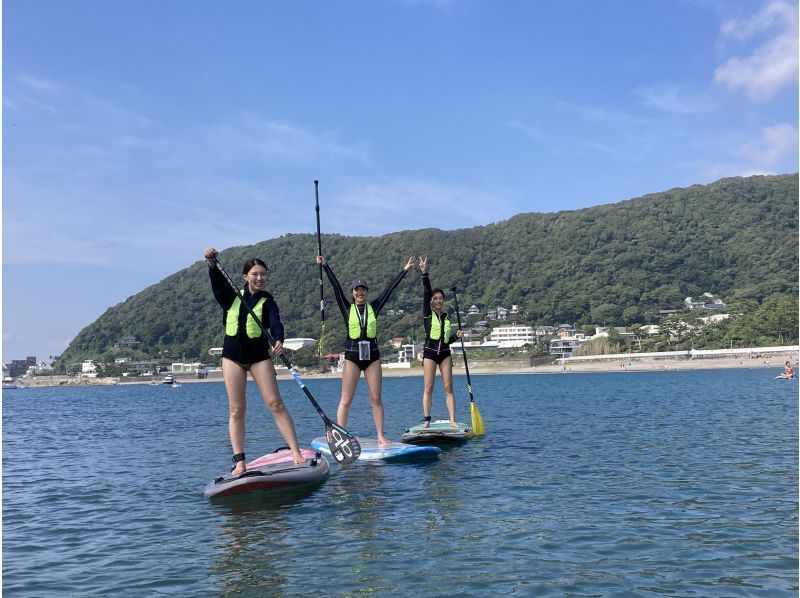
223	292
378	304
275	324
341	300
426	304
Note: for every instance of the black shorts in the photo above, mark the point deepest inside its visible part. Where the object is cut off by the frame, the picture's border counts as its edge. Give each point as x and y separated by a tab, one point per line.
246	366
436	357
363	364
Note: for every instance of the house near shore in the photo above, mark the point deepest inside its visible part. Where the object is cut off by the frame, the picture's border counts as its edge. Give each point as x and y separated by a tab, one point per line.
707	301
564	346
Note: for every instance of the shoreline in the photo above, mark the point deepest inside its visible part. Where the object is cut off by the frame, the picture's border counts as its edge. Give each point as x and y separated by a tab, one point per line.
623	364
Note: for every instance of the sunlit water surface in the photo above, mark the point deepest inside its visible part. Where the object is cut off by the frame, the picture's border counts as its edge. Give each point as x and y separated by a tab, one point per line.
676	483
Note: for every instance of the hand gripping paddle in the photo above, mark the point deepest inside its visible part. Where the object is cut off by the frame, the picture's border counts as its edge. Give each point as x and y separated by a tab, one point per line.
343	445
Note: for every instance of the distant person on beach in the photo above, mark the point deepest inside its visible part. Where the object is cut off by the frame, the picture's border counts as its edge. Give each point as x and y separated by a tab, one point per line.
361	345
246	349
788	372
439	334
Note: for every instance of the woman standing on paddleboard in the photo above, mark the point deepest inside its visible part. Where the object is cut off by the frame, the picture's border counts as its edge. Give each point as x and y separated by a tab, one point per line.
436	352
788	372
245	349
361	347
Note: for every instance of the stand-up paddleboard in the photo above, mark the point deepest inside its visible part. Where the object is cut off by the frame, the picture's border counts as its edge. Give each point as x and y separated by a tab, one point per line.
438	432
394	452
274	473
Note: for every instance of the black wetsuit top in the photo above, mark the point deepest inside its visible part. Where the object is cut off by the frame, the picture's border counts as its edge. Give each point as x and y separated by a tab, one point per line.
241	348
344	306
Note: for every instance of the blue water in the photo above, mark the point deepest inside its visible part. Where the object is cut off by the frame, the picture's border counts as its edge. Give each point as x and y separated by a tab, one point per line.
640	484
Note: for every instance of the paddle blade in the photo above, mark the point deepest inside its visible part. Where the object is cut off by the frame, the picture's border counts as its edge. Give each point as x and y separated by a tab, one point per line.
343	445
478	428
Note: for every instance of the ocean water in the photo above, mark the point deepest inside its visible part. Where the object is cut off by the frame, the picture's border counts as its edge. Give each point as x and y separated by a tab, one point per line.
615	484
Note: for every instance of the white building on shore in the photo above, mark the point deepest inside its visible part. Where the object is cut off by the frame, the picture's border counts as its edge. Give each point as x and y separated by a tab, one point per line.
513	336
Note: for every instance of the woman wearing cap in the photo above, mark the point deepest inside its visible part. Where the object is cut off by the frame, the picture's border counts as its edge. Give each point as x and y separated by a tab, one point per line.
436	352
245	349
361	347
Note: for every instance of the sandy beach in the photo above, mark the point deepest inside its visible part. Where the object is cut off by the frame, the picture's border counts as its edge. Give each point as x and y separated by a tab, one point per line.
628	363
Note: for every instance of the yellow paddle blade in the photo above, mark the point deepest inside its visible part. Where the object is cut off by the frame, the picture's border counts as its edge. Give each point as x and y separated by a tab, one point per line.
477	421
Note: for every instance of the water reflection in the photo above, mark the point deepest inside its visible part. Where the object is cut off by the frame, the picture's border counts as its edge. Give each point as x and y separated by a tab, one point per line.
255	542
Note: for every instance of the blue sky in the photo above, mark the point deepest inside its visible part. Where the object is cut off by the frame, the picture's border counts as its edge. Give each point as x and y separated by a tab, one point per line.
137	133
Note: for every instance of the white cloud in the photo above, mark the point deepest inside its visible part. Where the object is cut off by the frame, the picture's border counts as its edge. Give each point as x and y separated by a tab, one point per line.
772	147
774	61
773	150
407	204
254	136
39	84
530	131
671	98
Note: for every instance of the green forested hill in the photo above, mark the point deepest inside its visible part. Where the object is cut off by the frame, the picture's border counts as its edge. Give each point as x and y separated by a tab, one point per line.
614	264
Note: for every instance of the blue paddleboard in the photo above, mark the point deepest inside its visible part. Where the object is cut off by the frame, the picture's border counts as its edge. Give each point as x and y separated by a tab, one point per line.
395	452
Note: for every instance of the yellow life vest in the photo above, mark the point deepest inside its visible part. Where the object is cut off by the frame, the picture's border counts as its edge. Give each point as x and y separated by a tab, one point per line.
354	327
436	327
232	318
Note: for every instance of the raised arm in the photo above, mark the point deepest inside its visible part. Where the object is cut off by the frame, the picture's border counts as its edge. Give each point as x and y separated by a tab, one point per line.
338	293
223	292
378	303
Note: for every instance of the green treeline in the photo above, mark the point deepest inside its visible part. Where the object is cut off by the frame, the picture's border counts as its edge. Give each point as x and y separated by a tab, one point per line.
606	265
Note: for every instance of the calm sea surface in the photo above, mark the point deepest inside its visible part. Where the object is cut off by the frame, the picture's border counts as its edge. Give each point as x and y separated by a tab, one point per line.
640	484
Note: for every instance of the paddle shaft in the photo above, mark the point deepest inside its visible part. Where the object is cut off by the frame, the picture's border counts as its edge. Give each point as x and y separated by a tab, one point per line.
321	285
463	350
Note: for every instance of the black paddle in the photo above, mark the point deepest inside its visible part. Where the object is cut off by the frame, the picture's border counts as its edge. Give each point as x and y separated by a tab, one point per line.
343	445
478	428
321	292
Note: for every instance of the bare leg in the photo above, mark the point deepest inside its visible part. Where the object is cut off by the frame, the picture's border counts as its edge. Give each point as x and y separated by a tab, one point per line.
374	377
429	376
263	373
235	382
446	369
350	375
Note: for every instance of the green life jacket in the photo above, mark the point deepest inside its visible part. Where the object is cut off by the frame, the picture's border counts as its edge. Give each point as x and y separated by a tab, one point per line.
232	318
355	331
436	327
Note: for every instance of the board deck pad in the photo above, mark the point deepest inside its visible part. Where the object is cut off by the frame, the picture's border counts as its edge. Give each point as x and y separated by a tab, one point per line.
439	431
273	472
394	452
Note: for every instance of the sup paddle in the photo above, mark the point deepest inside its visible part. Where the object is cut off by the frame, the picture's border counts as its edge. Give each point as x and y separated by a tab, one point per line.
478	428
321	292
343	445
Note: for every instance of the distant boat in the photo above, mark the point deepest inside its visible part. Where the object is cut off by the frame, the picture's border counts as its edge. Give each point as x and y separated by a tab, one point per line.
169	380
11	384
